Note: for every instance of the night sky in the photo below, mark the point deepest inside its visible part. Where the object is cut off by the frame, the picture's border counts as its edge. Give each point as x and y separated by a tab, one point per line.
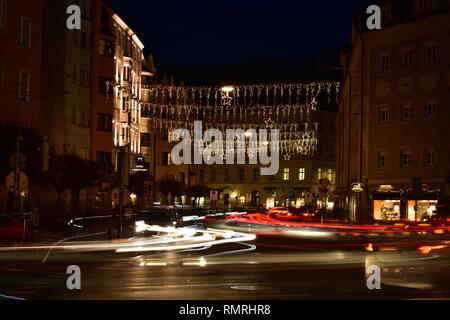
201	34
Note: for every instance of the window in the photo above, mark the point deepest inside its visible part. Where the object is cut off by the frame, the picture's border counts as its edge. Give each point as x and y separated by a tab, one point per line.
84	78
431	53
103	157
429	156
25	32
382	162
405	158
256	174
84	118
330	174
406	112
319	173
182	177
241	174
301	174
106	48
165	161
74	115
2	72
145	140
383	115
84	153
227	175
331	152
2	14
202	174
83	39
408	58
104	122
430	109
386	15
103	84
384	63
126	73
286	174
23	86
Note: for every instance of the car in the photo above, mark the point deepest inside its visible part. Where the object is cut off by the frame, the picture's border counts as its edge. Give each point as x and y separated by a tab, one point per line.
420	266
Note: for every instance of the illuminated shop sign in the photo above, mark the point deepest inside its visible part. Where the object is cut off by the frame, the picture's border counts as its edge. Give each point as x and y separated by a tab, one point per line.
357	187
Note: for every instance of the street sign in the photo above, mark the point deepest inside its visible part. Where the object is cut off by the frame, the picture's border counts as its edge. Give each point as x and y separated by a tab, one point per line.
23	182
357	187
325	182
22	163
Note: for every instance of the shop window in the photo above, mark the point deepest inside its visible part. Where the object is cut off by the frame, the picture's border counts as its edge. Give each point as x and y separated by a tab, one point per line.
387	210
420	210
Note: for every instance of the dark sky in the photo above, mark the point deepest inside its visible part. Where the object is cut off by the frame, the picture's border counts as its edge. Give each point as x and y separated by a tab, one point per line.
190	33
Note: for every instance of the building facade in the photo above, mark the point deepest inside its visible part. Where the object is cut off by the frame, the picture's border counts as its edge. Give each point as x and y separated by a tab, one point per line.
296	183
395	107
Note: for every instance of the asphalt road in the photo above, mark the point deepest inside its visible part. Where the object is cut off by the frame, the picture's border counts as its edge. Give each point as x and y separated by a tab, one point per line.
231	271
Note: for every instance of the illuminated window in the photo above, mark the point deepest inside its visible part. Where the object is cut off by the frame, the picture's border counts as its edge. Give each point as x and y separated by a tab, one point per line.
301	174
25	32
23	86
319	173
286	174
330	174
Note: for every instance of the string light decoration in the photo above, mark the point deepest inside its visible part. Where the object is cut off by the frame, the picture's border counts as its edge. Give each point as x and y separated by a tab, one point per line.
286	107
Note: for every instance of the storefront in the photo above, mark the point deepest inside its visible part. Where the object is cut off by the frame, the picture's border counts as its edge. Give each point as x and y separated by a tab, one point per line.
395	204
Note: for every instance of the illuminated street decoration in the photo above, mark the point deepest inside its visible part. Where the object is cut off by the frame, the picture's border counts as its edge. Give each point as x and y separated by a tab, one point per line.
286	107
